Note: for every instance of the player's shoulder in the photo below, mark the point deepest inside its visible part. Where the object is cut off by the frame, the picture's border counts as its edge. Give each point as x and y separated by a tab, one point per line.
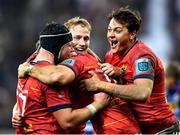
69	62
108	54
41	63
143	50
73	60
82	57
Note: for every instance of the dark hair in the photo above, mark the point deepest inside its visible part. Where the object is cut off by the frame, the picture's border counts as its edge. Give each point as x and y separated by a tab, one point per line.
125	16
54	28
173	70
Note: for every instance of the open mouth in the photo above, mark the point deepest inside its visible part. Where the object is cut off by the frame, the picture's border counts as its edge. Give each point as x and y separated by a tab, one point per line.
114	43
80	49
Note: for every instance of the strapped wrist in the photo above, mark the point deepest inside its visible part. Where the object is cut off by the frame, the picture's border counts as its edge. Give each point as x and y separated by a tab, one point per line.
92	109
28	70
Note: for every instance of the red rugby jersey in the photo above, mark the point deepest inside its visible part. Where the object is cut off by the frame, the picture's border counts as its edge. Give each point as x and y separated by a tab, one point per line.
34	99
117	118
140	62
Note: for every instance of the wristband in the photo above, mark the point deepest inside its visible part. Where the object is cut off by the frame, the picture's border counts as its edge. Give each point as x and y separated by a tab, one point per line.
92	109
28	70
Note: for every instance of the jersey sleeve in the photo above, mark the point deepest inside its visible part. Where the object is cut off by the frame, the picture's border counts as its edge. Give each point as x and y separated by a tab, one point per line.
143	68
57	98
76	65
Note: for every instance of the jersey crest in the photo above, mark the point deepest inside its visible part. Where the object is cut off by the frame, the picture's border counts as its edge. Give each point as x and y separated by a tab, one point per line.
123	70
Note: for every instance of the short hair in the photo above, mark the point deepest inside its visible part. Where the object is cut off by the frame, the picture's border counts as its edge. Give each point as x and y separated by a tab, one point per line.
173	70
53	28
77	21
131	19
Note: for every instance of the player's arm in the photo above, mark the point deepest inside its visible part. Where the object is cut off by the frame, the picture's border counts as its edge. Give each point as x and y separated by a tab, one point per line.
73	118
59	75
16	118
140	90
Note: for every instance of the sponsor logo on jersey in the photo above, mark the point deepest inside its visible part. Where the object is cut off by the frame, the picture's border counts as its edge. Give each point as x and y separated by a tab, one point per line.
70	62
144	65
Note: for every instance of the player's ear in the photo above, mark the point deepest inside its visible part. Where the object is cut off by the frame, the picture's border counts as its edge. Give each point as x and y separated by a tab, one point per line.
132	36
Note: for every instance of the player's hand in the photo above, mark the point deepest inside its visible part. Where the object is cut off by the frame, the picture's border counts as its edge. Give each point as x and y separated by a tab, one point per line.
90	84
102	99
17	120
22	69
107	69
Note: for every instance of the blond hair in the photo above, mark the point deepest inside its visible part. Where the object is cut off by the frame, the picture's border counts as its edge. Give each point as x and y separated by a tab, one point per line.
77	21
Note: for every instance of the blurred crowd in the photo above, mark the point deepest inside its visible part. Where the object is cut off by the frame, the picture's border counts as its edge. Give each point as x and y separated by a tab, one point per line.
21	21
173	86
